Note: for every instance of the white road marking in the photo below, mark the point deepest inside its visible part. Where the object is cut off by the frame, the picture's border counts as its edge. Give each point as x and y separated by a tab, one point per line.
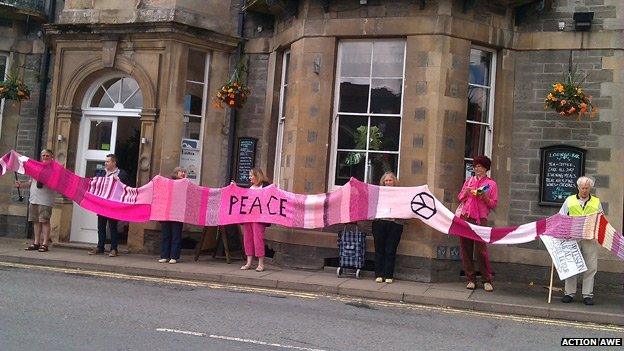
180	331
231	338
401	305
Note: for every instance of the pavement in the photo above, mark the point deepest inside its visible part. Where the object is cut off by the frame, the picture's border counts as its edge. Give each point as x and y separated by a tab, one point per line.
508	298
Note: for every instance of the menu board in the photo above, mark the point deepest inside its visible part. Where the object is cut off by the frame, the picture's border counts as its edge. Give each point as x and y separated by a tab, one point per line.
560	167
245	159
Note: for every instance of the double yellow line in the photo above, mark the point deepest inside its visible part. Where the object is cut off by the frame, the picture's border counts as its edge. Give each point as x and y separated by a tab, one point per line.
303	295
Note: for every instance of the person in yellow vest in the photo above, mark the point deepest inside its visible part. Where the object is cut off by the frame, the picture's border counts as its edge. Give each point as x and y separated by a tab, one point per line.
583	204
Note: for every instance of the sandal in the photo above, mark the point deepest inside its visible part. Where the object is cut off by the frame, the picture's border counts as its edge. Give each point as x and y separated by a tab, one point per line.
43	248
32	247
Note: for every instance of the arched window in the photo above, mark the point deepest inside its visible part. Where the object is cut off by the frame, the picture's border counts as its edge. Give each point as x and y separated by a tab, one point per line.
118	93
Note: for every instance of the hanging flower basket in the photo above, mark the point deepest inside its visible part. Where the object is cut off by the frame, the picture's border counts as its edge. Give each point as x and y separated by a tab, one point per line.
234	93
14	89
568	98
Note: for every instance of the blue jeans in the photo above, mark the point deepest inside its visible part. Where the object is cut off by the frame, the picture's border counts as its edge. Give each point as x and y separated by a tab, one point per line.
112	227
171	244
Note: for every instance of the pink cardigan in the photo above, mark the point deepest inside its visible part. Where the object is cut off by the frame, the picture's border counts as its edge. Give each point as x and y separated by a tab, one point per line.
473	205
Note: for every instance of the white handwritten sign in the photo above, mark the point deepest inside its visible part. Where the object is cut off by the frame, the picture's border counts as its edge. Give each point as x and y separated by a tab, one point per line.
566	256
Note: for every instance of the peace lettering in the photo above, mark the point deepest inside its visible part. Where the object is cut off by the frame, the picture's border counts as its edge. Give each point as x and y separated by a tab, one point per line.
245	205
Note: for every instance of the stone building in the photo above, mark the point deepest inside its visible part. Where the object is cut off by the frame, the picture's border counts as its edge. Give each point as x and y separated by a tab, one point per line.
431	84
340	89
22	54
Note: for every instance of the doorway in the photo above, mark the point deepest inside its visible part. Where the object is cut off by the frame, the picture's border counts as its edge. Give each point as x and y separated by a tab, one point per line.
110	125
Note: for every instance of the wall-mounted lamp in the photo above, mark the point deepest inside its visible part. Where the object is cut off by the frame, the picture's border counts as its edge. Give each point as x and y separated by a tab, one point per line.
561	25
583	20
59	137
363	2
143	140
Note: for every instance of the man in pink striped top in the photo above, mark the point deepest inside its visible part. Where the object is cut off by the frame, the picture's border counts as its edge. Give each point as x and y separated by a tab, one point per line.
477	198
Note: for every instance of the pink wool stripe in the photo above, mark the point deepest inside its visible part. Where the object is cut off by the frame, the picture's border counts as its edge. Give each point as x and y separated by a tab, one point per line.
203	206
193	202
116	210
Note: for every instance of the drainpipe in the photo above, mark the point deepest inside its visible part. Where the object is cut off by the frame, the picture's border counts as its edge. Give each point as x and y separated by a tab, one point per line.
43	87
233	112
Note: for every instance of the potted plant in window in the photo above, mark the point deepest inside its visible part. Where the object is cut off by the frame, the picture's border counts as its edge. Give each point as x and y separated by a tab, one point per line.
14	89
353	158
568	98
234	93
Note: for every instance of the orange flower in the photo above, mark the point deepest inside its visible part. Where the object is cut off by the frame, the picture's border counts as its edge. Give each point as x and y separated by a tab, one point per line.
563	102
572	109
550	97
558	87
232	102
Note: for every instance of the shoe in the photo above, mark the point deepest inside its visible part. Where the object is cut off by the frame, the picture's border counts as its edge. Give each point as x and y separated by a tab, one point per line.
245	267
260	269
470	286
173	261
32	247
95	252
488	287
567	299
589	301
162	260
389	280
113	253
379	280
43	248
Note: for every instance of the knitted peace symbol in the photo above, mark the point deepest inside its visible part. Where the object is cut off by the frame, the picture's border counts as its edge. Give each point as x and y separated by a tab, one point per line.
424	205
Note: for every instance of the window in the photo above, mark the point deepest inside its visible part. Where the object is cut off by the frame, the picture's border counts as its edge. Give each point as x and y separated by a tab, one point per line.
195	96
480	106
4	68
369	96
118	93
281	118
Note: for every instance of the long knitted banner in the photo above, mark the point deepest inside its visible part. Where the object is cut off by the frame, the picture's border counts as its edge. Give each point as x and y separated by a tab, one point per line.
180	200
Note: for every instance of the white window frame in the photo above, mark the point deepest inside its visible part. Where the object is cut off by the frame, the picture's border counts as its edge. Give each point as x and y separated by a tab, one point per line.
281	121
6	72
335	122
489	130
204	108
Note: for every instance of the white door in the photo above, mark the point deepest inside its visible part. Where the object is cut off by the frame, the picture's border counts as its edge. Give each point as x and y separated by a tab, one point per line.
96	139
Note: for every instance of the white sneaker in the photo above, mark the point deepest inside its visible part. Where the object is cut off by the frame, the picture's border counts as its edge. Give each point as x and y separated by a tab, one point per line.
488	287
470	286
379	280
162	260
173	261
389	280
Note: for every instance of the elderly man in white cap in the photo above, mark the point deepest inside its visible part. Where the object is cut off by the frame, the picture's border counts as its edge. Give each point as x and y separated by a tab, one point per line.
583	204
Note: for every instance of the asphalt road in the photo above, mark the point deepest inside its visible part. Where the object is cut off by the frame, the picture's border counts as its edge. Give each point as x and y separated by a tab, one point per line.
55	309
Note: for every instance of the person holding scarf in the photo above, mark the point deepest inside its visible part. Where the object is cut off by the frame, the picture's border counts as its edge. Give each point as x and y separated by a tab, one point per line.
477	198
583	204
253	233
171	242
387	235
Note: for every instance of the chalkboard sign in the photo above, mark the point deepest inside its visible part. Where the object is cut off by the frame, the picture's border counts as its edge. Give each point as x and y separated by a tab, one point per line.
560	167
245	160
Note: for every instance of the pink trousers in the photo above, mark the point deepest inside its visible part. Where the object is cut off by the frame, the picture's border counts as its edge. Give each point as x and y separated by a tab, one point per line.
253	239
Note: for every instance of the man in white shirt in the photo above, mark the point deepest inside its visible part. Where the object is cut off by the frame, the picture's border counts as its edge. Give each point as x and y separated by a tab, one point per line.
40	204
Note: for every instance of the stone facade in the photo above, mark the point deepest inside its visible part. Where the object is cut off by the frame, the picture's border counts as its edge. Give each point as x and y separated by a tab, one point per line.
21	125
530	57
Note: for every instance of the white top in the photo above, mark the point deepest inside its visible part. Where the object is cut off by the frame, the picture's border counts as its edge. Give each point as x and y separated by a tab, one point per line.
43	196
255	186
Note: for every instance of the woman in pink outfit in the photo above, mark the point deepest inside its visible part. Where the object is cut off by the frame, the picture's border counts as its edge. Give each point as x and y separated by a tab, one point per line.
253	233
478	197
